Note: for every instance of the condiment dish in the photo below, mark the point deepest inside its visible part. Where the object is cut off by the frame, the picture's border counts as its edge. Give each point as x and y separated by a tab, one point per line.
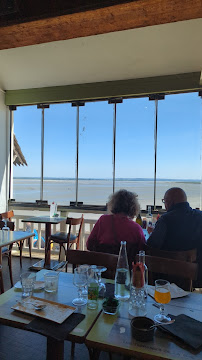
142	328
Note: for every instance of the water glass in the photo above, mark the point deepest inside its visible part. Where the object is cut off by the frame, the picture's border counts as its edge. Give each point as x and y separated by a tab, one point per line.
28	281
84	292
102	287
51	281
80	280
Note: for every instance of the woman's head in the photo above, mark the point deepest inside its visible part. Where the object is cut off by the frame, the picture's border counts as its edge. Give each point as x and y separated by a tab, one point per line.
124	202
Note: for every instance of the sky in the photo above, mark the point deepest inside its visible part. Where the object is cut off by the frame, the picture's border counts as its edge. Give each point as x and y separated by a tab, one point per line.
178	146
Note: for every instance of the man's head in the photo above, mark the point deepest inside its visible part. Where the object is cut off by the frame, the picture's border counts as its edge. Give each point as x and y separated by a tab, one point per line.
174	196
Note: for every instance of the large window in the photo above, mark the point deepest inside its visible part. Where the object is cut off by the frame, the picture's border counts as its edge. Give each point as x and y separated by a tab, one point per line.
178	146
27	130
95	152
92	149
135	148
59	153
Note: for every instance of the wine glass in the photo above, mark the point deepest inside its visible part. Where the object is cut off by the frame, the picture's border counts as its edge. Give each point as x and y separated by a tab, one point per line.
99	270
84	292
80	280
162	296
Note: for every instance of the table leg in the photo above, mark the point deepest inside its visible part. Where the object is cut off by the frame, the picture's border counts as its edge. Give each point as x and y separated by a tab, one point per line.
55	349
94	354
47	247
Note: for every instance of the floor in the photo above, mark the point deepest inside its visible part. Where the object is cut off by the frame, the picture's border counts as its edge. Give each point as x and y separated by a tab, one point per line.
16	344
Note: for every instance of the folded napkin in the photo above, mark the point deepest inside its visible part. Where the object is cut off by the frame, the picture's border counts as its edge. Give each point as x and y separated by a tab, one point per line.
175	291
186	329
51	329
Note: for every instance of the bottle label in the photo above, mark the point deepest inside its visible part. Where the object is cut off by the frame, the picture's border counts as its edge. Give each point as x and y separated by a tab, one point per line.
93	292
138	275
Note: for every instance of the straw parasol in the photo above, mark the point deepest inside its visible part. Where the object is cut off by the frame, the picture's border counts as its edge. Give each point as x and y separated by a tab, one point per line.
18	157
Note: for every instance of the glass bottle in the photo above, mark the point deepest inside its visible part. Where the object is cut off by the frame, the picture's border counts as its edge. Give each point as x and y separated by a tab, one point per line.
137	304
149	216
5	230
93	288
139	220
149	221
122	277
141	259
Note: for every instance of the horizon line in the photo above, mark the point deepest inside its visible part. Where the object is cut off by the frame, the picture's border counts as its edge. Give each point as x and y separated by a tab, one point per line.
107	179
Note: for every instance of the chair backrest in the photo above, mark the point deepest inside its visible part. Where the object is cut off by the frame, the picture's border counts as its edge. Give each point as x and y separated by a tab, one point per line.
10	224
114	249
188	255
7	215
78	257
169	267
71	222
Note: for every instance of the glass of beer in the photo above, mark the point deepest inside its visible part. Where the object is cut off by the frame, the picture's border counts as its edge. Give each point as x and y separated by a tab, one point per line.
162	296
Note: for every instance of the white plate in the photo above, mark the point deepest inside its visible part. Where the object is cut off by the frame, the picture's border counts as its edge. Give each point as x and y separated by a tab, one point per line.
39	285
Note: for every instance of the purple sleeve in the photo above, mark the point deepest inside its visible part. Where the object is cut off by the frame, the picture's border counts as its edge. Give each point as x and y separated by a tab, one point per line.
142	241
92	239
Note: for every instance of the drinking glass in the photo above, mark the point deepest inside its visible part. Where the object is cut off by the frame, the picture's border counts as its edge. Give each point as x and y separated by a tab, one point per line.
102	287
84	292
80	280
99	270
51	281
162	296
28	281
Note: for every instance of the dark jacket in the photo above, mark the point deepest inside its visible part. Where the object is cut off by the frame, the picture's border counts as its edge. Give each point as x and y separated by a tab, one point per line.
179	229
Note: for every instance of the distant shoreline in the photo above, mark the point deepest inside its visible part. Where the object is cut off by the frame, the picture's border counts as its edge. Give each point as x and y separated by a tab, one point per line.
110	179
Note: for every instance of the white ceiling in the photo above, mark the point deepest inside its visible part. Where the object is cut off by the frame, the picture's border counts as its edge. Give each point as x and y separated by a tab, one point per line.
150	51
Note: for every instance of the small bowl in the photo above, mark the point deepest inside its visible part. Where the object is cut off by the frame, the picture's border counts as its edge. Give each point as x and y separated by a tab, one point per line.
110	309
140	327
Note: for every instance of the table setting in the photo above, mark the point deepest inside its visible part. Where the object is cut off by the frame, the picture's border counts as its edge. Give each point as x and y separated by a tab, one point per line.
83	307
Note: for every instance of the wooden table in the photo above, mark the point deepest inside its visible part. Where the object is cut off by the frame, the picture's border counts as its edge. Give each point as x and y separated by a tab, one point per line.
48	221
112	333
13	236
66	293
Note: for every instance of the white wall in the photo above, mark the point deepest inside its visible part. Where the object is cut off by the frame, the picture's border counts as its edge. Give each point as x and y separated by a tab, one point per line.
4	126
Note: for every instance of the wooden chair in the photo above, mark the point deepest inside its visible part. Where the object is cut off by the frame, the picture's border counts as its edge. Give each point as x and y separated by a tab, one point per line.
188	255
68	239
78	257
114	249
169	267
8	215
6	252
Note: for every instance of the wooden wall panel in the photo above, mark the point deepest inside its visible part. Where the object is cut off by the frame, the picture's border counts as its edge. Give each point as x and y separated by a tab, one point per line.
131	15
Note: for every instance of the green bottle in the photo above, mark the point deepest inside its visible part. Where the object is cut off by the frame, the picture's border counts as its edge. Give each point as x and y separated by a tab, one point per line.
139	220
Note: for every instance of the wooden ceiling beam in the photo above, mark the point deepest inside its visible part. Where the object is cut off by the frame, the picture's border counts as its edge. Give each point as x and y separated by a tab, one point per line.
136	14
